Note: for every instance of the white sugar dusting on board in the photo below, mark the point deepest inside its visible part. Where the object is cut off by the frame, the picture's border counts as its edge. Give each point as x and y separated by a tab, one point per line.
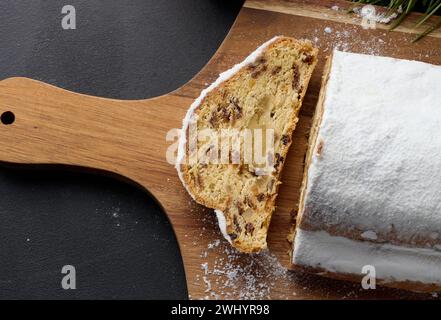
226	273
347	38
241	276
381	17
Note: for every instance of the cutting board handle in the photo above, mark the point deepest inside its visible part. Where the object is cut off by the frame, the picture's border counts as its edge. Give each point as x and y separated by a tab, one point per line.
43	124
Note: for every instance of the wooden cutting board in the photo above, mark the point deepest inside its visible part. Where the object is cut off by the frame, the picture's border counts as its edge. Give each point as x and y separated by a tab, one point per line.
128	139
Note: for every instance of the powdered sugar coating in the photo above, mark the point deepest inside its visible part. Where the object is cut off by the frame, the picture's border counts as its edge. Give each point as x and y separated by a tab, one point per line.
373	193
342	255
379	168
222	224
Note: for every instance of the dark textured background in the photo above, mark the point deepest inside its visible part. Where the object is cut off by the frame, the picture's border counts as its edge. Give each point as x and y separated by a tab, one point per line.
116	236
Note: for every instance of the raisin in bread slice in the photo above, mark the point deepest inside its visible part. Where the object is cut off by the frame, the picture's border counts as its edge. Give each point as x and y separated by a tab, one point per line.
264	92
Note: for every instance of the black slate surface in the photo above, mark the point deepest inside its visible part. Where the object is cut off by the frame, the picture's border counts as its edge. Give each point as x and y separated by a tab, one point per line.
116	237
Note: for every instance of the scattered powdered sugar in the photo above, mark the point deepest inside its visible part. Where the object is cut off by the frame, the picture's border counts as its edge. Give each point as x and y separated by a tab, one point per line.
347	38
115	214
214	244
382	17
204	267
208	283
242	276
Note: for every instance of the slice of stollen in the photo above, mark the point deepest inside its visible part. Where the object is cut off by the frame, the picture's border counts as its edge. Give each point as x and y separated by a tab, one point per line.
236	135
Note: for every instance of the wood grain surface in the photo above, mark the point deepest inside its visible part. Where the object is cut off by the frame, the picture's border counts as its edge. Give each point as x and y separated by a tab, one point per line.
128	138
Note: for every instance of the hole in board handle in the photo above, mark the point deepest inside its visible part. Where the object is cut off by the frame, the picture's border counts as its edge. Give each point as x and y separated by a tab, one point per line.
7	118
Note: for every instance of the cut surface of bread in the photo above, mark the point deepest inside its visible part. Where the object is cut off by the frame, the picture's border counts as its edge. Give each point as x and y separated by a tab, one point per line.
236	136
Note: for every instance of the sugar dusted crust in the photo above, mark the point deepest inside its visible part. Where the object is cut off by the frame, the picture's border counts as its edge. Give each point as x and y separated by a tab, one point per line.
367	171
189	117
341	258
264	91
